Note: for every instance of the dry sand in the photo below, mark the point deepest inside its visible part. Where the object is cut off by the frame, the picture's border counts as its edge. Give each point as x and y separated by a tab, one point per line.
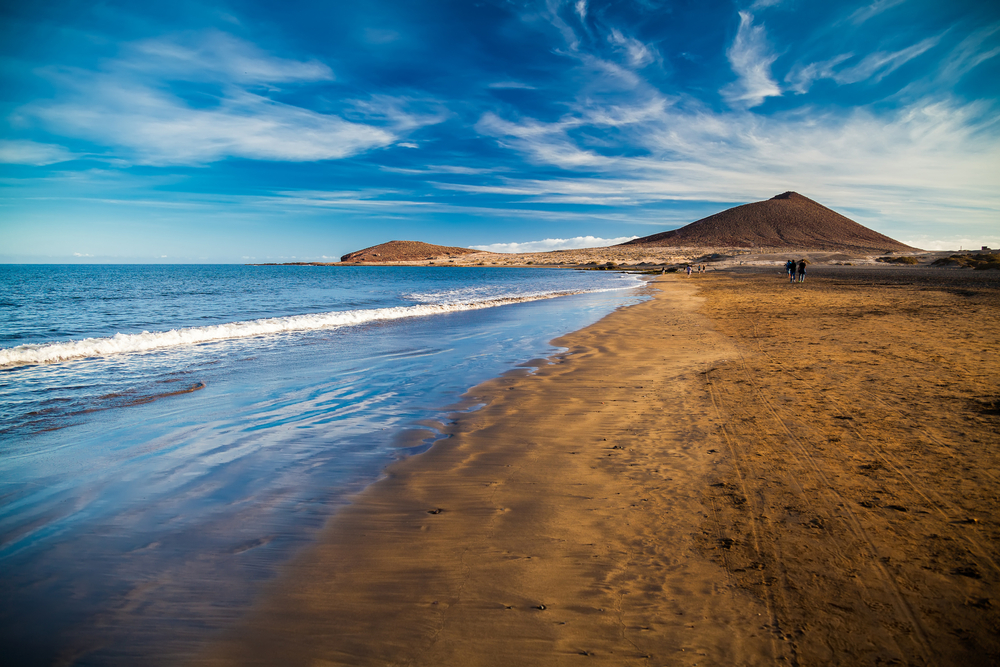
738	471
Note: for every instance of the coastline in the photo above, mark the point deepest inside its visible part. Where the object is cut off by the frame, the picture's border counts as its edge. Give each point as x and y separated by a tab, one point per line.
154	518
654	258
680	488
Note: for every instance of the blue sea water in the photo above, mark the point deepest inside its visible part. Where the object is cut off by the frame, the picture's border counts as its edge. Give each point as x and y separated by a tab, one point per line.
171	435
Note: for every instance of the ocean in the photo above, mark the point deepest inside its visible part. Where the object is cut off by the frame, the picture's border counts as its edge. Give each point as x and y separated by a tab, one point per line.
170	436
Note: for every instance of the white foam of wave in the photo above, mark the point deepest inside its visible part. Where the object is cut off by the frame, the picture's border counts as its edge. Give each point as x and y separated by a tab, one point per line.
147	341
466	295
461	295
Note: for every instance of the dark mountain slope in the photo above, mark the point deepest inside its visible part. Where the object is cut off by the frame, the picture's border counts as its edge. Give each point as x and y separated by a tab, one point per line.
788	220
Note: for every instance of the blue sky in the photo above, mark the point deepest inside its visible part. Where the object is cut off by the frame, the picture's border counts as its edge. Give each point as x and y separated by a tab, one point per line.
302	130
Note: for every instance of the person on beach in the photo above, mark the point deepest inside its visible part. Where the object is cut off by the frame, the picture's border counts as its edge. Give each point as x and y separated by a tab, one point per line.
688	269
790	270
802	270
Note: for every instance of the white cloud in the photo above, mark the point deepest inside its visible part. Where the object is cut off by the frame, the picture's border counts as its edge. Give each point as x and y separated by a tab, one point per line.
367	199
605	75
552	14
453	169
880	64
213	55
969	54
544	143
868	11
965	243
444	169
503	85
638	54
402	114
32	153
581	9
875	66
547	245
802	78
128	106
750	57
932	162
158	128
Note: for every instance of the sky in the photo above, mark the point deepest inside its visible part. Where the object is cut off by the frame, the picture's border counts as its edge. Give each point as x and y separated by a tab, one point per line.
302	130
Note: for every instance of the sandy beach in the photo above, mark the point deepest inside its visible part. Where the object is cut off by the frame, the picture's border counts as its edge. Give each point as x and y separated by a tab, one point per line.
737	471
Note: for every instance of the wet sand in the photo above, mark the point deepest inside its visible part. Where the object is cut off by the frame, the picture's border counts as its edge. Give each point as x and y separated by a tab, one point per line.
738	471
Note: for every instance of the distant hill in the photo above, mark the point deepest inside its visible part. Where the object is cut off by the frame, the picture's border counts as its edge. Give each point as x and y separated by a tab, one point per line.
788	220
404	251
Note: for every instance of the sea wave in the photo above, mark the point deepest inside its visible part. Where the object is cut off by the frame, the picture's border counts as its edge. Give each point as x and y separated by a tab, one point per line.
147	341
473	293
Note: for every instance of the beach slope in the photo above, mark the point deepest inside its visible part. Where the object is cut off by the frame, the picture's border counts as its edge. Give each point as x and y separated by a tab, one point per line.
737	471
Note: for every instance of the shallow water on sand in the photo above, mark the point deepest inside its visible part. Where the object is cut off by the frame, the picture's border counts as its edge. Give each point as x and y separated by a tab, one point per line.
146	492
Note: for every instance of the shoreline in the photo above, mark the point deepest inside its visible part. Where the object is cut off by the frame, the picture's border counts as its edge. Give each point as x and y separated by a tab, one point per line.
653	496
655	258
154	520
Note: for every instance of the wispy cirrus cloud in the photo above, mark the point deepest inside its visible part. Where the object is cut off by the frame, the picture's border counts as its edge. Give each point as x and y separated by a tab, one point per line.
512	85
554	112
552	12
802	78
154	127
931	160
136	107
637	53
750	57
445	169
874	67
880	64
970	53
214	55
862	14
542	142
17	151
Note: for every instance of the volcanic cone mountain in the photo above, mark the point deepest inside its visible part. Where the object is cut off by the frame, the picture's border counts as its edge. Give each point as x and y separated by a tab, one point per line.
404	251
788	220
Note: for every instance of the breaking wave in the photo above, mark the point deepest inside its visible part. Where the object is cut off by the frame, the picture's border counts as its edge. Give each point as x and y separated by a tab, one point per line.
147	341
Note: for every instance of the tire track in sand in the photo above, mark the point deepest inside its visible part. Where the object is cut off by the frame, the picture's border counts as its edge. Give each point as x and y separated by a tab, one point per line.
854	523
774	623
951	515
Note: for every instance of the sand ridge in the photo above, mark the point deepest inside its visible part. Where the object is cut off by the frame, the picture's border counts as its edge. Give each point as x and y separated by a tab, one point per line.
738	471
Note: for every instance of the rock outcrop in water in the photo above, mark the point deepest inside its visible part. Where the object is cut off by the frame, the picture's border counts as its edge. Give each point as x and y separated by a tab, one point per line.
788	220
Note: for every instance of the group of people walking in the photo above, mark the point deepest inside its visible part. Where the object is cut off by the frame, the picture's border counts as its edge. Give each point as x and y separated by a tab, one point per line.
796	269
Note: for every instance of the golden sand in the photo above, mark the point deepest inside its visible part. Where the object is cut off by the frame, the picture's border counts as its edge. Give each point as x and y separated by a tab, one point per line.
737	471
